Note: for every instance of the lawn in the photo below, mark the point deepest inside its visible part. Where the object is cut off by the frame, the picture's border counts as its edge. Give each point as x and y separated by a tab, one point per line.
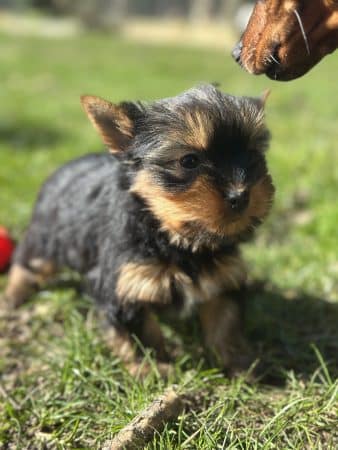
60	387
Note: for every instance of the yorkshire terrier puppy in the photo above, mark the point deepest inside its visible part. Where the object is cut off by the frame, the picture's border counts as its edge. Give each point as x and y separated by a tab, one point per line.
157	223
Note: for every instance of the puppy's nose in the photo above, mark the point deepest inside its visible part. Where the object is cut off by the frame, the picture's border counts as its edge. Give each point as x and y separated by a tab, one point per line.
238	200
236	53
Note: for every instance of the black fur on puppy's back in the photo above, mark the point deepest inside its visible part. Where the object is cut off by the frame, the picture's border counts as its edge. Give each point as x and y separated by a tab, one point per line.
70	209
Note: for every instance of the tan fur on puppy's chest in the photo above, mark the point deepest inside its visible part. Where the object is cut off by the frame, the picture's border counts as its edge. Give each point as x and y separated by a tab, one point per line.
153	281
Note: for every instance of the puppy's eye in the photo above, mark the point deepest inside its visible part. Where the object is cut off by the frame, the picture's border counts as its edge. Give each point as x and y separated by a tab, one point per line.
190	161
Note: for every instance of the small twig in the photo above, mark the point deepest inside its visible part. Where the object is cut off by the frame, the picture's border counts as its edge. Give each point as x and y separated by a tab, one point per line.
141	429
190	438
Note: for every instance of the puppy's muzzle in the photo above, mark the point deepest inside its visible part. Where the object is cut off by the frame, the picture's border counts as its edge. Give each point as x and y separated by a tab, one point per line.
238	200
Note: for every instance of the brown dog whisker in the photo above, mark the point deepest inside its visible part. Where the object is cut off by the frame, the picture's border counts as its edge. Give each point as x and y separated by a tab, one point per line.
275	60
248	59
302	30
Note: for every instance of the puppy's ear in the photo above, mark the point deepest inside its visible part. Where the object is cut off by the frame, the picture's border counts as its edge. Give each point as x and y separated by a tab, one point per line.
260	101
113	122
264	97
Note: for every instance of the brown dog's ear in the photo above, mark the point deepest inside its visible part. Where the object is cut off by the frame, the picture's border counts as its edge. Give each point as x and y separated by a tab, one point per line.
112	122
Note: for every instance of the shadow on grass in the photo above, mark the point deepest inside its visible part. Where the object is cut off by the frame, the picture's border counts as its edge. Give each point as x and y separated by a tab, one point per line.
26	136
287	329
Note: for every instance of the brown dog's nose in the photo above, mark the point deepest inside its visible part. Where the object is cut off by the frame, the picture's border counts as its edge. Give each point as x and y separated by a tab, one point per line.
237	51
238	200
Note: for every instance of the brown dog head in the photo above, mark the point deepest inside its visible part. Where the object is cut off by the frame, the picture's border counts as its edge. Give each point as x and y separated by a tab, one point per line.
285	38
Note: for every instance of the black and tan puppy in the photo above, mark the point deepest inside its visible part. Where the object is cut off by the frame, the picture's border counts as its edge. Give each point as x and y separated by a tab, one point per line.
156	223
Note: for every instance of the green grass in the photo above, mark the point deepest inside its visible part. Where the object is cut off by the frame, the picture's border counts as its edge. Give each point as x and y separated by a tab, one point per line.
59	385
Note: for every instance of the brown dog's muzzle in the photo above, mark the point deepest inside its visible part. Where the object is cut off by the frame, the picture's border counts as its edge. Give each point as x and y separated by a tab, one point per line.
284	39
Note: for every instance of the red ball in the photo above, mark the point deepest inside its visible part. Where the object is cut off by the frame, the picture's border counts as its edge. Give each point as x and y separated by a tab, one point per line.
6	249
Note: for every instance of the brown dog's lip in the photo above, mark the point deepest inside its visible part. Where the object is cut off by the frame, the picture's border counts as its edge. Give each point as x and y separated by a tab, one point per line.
286	68
282	75
281	72
273	66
